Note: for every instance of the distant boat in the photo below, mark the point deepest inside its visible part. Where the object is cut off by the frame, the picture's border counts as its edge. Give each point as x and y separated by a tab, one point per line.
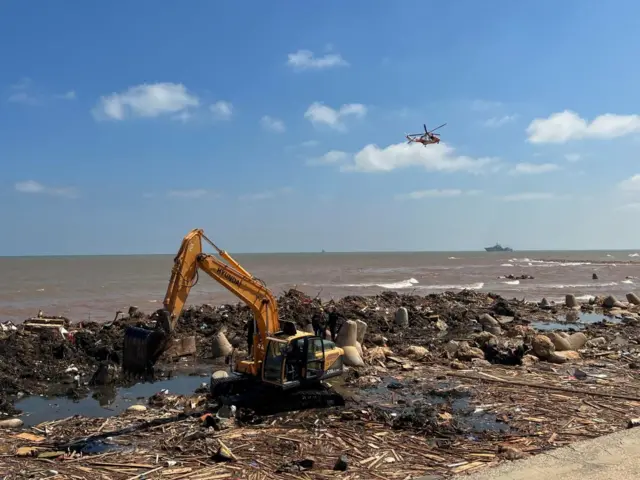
498	248
323	251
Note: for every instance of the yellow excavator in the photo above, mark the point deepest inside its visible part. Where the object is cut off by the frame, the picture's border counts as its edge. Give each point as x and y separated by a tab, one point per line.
281	357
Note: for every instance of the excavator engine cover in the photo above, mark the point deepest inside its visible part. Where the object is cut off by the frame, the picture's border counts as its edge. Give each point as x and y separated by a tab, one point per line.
141	349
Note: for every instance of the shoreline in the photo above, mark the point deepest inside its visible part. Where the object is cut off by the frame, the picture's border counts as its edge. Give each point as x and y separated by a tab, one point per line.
455	373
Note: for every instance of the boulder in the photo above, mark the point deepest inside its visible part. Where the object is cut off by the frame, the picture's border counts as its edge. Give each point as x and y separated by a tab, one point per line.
348	334
483	339
597	342
467	353
351	357
560	343
219	374
11	423
487	320
528	360
137	408
563	357
542	346
402	317
544	303
415	352
577	340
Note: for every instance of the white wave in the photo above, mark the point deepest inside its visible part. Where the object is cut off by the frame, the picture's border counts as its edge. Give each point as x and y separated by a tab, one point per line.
627	281
583	285
544	263
40	290
507	265
472	286
585	298
453	258
609	255
512	282
402	284
634	254
393	286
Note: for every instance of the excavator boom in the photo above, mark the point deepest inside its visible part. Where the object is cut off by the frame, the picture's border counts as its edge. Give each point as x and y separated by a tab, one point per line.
189	260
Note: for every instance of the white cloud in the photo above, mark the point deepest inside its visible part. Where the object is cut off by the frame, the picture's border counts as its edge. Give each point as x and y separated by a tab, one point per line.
572	157
436	193
564	126
306	60
534	168
484	105
272	124
222	110
495	122
310	143
146	100
320	114
631	184
33	187
330	158
434	158
194	193
25	92
530	197
267	194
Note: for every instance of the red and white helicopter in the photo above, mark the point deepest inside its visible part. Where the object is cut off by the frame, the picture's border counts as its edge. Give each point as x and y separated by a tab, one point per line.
426	138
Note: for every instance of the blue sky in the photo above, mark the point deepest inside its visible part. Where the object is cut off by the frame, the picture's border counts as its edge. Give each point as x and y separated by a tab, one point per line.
125	125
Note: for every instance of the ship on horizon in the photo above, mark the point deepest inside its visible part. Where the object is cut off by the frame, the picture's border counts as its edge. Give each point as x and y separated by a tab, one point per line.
498	248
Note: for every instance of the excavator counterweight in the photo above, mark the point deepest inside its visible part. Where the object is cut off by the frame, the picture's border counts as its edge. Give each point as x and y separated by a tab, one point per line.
284	358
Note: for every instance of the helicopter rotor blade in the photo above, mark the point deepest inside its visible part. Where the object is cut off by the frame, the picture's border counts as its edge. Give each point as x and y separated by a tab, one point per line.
425	128
438	127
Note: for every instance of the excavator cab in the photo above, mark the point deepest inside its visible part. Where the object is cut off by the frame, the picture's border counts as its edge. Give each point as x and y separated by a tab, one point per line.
303	359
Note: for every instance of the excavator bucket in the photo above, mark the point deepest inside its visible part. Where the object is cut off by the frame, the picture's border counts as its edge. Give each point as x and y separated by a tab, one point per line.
141	349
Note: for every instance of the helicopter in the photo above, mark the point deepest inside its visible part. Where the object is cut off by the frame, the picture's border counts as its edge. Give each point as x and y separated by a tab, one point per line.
426	138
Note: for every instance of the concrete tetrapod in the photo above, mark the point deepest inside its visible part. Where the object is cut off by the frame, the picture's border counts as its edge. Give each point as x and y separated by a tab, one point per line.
402	317
347	340
221	346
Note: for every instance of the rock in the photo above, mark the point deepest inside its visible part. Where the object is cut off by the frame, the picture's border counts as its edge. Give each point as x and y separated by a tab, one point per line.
633	299
487	320
378	353
458	365
378	340
415	352
572	316
219	374
577	340
359	348
542	346
493	330
480	363
483	339
560	343
451	347
597	342
520	331
544	303
137	408
630	320
221	346
11	423
528	360
594	276
467	353
570	301
562	357
402	317
341	464
133	311
441	325
361	331
612	302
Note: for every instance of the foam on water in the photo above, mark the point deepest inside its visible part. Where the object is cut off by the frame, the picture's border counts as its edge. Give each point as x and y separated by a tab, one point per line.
512	282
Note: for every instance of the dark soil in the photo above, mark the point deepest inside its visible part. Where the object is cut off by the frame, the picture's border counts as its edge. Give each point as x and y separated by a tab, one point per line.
38	363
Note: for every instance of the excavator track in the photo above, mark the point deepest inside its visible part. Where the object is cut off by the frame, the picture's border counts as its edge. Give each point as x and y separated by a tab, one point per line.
245	392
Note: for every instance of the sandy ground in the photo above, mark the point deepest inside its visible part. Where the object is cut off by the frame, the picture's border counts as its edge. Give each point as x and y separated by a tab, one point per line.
612	457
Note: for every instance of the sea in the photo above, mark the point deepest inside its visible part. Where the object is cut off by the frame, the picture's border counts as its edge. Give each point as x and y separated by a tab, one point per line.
95	287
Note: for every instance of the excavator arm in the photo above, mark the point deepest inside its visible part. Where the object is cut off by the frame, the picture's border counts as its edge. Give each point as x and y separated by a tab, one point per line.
190	259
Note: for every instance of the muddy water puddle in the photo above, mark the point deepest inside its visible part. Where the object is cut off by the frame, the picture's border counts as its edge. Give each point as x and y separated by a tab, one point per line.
413	402
110	401
574	321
